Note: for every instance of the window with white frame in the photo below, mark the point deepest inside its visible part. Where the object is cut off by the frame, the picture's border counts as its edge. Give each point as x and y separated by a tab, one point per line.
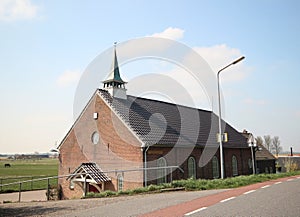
215	167
191	167
234	164
161	173
120	182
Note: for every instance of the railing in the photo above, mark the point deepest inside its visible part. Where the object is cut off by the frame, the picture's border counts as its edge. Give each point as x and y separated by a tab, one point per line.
17	179
48	186
31	182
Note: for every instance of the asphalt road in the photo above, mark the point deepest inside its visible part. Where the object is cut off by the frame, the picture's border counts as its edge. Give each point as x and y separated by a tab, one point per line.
142	204
272	198
275	199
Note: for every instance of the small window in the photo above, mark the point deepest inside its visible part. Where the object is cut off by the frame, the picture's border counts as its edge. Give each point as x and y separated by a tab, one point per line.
95	115
215	167
191	167
95	138
120	182
266	170
234	166
72	184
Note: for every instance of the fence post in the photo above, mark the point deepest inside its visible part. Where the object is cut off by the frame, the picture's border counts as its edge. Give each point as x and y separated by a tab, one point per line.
20	189
48	189
31	182
1	184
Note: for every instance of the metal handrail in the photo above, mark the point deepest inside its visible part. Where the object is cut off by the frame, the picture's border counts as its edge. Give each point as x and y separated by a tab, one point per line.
73	174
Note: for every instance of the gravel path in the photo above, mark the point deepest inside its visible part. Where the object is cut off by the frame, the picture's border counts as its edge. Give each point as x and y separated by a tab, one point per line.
54	208
26	196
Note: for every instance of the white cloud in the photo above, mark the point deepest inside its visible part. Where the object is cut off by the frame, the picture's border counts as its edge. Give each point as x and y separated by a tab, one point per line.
149	44
170	33
251	101
218	56
68	78
11	10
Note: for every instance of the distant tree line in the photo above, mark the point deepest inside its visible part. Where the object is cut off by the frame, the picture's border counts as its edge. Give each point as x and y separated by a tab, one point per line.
271	144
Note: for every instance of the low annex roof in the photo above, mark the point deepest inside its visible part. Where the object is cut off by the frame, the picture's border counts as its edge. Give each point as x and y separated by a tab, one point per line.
90	171
264	154
167	124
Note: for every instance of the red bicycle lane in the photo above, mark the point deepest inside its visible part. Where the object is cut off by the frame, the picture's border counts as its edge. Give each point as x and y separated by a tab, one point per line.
203	202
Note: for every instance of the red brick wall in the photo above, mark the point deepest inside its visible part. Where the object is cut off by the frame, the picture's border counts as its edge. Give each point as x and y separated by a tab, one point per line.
179	156
70	158
118	149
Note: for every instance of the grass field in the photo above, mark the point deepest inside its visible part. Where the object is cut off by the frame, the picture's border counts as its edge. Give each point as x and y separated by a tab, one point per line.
22	170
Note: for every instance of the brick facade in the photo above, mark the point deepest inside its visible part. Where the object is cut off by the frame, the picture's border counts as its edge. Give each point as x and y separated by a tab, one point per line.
180	156
118	149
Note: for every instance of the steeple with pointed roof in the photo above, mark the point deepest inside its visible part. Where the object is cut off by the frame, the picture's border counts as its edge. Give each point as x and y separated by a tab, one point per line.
114	84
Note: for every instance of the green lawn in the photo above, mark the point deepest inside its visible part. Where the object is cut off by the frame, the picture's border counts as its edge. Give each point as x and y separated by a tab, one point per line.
22	170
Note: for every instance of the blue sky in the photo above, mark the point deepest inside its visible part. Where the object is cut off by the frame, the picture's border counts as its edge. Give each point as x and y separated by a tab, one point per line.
46	45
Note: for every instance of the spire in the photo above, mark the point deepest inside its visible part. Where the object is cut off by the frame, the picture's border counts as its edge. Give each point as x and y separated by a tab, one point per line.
114	83
114	74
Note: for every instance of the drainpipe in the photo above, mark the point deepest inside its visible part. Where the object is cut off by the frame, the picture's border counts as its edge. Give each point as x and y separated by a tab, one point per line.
145	149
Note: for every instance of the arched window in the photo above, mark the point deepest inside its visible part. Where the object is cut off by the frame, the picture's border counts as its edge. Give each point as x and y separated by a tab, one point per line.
250	163
120	182
161	173
191	167
215	167
234	165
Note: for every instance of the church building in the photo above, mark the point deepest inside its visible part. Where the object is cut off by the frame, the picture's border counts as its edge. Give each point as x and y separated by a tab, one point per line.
122	142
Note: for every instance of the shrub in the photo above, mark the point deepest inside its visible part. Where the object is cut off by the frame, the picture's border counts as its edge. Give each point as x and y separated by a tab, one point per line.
290	165
199	184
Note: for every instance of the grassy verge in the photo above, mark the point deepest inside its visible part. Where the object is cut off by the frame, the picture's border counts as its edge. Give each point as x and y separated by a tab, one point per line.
196	185
234	182
24	170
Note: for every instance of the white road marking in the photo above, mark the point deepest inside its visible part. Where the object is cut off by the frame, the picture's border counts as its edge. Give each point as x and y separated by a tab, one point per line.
195	211
230	198
248	192
266	186
277	183
289	180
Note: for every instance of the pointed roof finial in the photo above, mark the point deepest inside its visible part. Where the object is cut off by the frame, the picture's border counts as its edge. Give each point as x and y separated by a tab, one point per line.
114	74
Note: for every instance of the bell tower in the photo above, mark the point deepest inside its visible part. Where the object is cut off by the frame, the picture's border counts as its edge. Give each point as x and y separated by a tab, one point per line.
114	83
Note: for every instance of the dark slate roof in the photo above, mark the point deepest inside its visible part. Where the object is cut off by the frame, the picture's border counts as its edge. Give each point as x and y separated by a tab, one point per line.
93	171
162	123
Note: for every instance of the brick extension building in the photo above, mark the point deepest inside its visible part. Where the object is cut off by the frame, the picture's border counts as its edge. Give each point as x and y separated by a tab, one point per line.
117	136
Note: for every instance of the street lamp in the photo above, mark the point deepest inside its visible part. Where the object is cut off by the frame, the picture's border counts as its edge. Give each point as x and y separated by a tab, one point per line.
220	122
252	144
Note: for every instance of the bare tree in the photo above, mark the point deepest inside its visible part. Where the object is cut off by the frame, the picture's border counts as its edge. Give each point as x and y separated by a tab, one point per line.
268	142
259	140
276	145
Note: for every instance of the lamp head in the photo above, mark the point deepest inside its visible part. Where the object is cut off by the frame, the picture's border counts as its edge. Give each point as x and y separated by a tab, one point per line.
238	60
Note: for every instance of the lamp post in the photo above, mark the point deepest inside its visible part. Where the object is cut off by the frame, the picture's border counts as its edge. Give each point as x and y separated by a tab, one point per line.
252	145
220	119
